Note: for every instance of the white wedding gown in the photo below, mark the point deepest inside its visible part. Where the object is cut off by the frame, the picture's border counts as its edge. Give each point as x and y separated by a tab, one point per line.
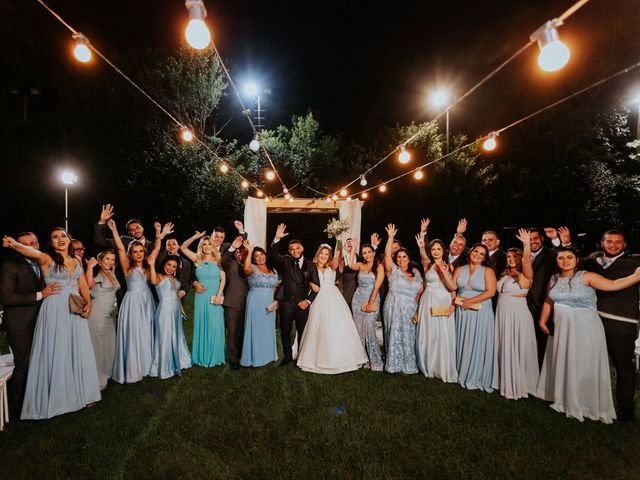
330	342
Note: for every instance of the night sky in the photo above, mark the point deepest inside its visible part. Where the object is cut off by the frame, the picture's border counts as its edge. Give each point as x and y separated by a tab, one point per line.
356	65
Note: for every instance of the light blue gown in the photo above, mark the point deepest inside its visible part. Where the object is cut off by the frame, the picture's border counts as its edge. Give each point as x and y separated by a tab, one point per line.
134	341
208	325
170	350
399	331
259	343
475	334
366	321
62	374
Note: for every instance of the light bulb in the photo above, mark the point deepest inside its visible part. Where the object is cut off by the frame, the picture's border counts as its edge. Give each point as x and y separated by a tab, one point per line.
285	190
245	184
270	175
254	145
187	136
404	156
334	197
82	52
554	56
69	178
348	199
197	34
287	196
439	98
328	199
363	181
224	168
383	188
490	143
290	199
260	194
418	175
364	195
343	192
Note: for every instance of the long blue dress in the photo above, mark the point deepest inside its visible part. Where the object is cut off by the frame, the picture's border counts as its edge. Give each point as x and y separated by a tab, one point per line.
575	373
134	342
366	321
62	368
399	331
475	334
259	343
208	325
170	350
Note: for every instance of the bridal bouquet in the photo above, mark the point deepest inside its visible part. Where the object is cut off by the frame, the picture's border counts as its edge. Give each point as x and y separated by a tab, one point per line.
336	227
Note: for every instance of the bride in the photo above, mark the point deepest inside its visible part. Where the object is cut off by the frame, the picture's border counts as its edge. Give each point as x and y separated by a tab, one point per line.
330	343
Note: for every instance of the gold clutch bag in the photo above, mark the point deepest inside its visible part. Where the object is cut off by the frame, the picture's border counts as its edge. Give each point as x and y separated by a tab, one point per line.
76	303
440	311
474	306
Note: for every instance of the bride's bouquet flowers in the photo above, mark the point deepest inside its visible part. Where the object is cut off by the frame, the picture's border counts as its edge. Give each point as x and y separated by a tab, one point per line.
336	227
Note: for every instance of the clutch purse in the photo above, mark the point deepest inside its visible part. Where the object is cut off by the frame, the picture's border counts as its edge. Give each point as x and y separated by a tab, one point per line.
272	307
474	306
76	303
440	311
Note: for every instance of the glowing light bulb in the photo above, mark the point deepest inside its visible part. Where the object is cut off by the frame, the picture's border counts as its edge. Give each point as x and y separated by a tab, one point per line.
287	196
245	184
404	156
439	98
490	143
82	52
197	33
285	190
334	197
328	199
348	199
364	195
224	168
383	188
290	199
270	175
254	145
187	136
343	192
69	178
553	53
418	175
363	181
260	194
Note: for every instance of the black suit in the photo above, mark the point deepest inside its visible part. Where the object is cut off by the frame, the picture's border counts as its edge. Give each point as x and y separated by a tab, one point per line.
294	289
543	268
235	298
497	262
348	283
19	285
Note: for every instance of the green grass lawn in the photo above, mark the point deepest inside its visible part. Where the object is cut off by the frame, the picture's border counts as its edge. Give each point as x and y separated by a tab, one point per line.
282	423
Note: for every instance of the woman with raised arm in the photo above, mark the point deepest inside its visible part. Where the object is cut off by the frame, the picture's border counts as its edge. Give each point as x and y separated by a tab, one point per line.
436	330
400	306
365	303
208	322
515	369
134	338
170	351
62	374
475	332
575	373
102	326
259	342
330	342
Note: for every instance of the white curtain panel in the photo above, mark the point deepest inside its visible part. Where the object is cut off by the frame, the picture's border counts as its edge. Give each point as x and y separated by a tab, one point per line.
255	221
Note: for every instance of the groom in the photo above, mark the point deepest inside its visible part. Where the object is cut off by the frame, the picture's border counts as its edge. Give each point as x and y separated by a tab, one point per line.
294	294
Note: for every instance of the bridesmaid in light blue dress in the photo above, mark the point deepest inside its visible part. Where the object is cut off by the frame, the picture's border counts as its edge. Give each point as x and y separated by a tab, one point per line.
170	350
134	338
401	304
208	323
259	343
365	304
475	331
62	374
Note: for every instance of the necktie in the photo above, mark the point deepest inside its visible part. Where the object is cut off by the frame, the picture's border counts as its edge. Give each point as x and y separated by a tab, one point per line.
606	262
36	268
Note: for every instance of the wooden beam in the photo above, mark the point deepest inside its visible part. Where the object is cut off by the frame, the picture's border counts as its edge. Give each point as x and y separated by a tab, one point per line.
304	205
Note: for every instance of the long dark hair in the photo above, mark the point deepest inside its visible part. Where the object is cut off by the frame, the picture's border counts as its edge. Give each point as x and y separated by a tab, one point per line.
57	258
486	253
556	276
395	260
436	241
145	261
175	258
261	250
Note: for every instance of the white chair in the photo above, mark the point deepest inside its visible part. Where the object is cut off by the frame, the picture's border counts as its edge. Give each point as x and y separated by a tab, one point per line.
6	370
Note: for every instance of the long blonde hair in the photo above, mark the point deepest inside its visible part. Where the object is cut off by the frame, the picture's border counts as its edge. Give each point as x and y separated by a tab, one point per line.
214	251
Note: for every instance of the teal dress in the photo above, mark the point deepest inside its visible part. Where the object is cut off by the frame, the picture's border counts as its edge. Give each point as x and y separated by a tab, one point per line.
259	343
208	325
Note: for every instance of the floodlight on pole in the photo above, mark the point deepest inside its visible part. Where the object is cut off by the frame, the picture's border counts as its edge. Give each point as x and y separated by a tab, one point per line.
68	178
553	53
197	33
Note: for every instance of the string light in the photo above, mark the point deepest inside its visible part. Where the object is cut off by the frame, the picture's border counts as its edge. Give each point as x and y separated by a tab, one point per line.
254	145
245	184
259	193
334	198
287	196
270	175
187	136
343	192
81	50
383	188
290	199
328	199
363	181
364	195
224	168
197	33
490	142
404	155
418	175
553	53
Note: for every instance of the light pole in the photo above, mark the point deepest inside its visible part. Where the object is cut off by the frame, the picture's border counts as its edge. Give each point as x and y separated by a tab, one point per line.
440	99
68	178
252	90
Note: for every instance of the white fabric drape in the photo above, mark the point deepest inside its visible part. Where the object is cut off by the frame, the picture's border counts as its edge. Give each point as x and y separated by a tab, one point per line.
255	221
352	211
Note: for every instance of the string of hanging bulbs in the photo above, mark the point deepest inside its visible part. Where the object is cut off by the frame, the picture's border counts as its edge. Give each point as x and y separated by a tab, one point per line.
553	56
